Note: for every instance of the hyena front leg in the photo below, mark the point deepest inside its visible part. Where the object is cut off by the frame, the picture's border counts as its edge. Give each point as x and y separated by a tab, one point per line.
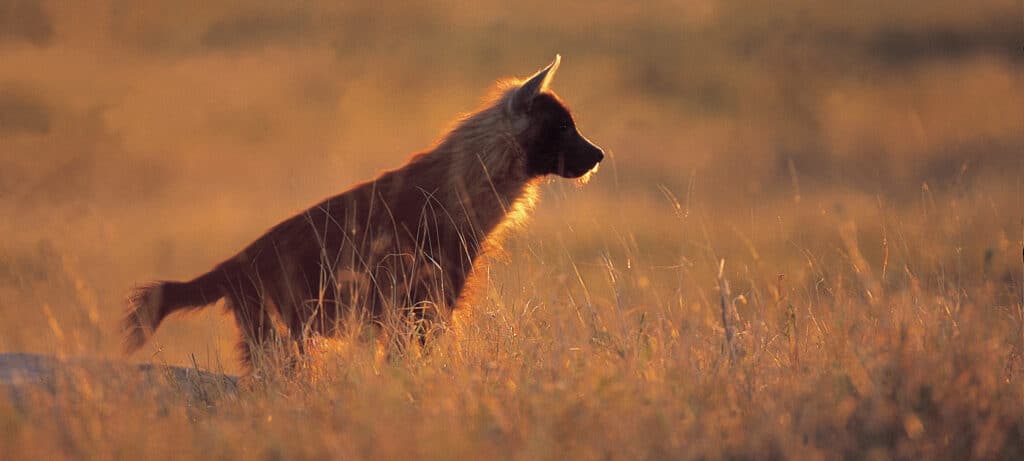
432	299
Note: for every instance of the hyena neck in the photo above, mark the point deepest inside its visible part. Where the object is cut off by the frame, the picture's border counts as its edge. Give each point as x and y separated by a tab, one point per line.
487	176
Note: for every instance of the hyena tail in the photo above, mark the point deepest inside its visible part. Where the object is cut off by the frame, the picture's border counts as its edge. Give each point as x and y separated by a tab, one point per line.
150	304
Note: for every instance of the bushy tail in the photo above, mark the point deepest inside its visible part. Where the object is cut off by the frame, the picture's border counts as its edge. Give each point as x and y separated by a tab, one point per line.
150	304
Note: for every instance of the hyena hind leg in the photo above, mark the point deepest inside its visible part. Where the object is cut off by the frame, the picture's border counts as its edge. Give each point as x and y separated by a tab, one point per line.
257	346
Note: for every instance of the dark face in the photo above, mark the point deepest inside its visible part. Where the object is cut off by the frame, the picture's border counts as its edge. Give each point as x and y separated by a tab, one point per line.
552	143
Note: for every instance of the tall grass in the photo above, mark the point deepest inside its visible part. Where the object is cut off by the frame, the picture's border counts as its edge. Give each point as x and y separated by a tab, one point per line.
610	352
857	169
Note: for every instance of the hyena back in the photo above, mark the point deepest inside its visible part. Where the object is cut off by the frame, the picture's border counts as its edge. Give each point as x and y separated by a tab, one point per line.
403	242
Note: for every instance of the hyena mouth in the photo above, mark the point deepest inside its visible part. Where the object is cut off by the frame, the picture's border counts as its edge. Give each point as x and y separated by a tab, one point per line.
576	172
585	177
580	171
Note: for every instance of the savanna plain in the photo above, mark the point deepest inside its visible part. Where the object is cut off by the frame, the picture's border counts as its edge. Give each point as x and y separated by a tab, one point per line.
805	243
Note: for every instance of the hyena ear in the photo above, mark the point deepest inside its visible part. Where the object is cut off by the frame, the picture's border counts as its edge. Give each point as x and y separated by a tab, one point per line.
522	99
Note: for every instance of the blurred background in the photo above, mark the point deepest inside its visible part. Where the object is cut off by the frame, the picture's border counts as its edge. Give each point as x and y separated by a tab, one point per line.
150	139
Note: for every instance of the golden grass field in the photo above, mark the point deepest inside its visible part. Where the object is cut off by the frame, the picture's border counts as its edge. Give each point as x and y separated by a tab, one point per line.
835	187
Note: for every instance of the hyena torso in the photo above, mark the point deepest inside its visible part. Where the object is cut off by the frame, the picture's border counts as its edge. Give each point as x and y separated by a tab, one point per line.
390	246
404	243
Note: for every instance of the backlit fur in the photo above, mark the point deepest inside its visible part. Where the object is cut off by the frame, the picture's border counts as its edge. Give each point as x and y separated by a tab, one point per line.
402	244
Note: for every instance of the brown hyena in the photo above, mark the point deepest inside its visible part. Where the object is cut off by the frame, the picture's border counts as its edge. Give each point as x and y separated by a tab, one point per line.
404	242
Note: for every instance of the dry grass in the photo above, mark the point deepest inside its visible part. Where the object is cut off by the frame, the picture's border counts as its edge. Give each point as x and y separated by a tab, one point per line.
858	349
853	176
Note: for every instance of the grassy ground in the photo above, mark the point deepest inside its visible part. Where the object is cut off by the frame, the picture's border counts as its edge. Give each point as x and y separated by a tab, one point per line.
806	242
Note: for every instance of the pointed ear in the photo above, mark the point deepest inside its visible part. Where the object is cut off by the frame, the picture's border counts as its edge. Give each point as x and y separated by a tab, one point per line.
522	99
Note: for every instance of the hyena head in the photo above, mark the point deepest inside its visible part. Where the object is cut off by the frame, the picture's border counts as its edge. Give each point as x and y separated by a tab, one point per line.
546	130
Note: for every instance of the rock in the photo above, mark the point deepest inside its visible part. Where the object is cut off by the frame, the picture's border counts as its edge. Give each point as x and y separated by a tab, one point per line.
23	372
